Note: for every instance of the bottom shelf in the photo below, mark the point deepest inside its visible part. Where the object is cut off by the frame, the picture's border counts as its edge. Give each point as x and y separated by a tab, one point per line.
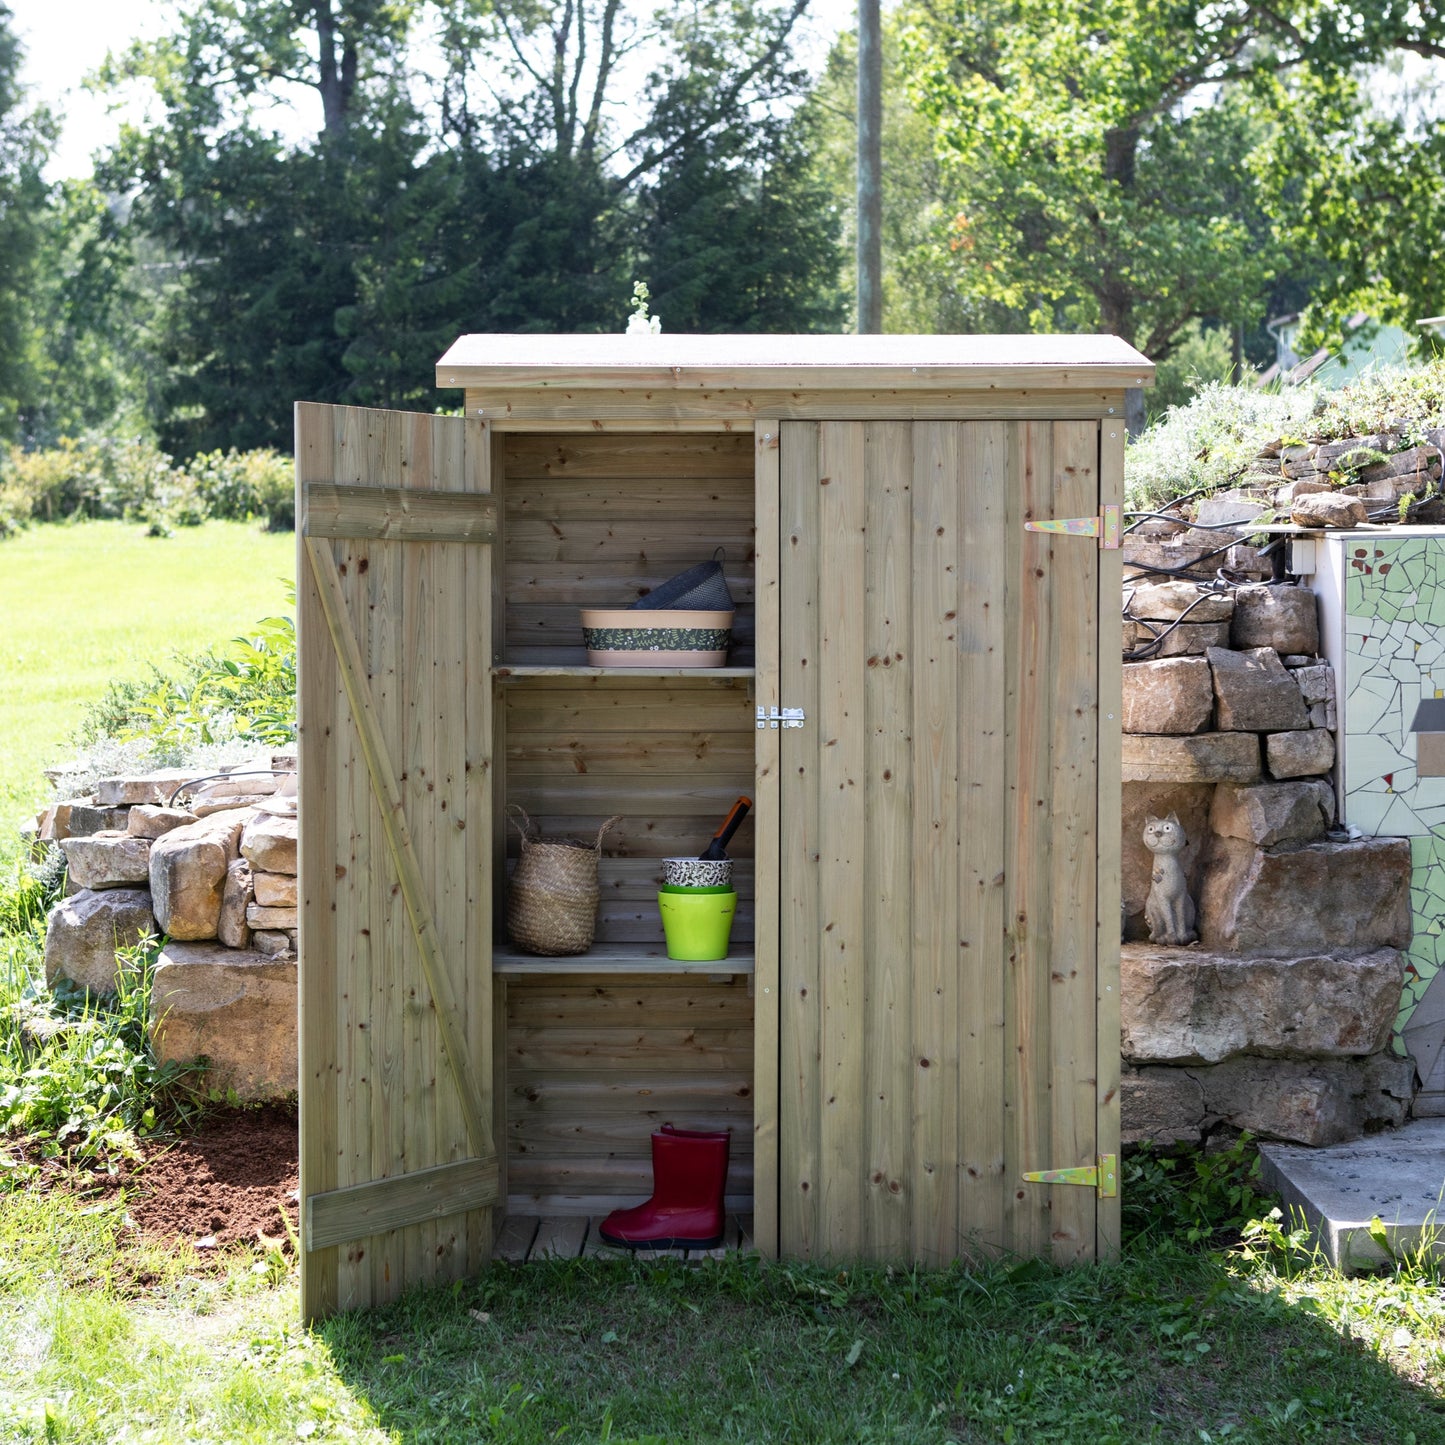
525	1237
616	958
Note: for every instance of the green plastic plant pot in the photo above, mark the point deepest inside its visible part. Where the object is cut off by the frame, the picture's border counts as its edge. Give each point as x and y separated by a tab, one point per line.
697	925
701	888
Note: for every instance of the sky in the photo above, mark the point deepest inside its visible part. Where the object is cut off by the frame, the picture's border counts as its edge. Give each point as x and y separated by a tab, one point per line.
66	40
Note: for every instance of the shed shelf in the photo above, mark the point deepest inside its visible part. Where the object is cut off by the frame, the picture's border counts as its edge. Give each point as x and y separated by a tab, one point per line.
513	672
616	958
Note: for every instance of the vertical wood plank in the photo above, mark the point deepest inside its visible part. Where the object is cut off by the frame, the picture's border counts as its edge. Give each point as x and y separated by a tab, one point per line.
799	1142
1110	804
479	820
936	549
887	1093
1072	589
354	893
318	718
1030	902
843	829
982	770
767	695
387	1023
417	765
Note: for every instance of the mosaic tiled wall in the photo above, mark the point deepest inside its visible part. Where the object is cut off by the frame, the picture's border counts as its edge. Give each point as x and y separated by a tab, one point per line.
1394	657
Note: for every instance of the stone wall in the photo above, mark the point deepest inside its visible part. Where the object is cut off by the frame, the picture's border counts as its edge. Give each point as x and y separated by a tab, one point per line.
1279	1019
217	878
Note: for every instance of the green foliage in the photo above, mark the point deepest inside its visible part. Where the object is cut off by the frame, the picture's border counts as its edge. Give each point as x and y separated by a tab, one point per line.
132	479
246	693
239	485
1190	1196
77	1073
1211	442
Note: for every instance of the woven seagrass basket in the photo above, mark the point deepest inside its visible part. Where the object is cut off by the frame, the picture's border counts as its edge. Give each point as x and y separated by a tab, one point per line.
552	898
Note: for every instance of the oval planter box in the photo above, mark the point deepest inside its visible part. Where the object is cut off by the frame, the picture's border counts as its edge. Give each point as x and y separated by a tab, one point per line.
620	637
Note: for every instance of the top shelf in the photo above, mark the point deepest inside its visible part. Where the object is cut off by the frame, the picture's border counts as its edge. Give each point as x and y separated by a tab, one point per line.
509	671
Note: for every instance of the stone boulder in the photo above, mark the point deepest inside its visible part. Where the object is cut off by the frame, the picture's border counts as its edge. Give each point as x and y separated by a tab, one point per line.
271	919
1269	813
275	890
1309	753
1325	509
237	896
1169	601
269	843
1284	618
89	818
107	860
84	931
1254	693
235	1008
1322	1101
1174	695
1190	803
150	821
1186	1006
1352	897
153	788
188	873
1199	758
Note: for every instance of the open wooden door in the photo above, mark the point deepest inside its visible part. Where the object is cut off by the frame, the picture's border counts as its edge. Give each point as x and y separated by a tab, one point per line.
940	802
394	597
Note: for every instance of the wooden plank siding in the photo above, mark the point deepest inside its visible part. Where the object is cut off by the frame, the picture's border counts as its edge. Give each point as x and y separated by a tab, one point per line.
594	1065
396	1035
939	839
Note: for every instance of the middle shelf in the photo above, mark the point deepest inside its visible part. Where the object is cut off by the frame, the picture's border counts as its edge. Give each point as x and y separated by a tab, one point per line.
618	958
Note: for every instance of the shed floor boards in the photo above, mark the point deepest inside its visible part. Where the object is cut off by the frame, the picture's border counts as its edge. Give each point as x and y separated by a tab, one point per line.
527	1237
1397	1176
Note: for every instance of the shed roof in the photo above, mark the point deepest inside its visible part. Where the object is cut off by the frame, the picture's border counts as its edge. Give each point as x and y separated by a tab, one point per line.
793	362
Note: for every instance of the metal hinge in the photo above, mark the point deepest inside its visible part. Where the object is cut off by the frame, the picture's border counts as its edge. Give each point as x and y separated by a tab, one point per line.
1105	527
1103	1176
788	717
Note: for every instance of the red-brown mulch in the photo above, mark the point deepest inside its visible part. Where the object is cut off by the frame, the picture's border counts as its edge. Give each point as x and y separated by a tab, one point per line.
233	1181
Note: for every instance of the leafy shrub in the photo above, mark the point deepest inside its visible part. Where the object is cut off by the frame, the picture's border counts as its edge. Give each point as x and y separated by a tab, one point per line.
1210	443
240	485
1191	1196
134	480
246	694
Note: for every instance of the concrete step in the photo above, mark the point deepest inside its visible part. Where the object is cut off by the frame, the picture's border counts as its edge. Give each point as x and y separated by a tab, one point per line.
1397	1176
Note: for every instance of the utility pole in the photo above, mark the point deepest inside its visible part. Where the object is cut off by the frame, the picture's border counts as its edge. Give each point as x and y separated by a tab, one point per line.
870	167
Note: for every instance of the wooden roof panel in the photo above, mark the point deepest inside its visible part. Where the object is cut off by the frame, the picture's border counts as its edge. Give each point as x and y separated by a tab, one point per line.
806	363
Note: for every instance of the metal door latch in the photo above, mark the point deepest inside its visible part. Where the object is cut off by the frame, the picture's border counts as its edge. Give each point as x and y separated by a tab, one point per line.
1105	527
788	717
1104	1176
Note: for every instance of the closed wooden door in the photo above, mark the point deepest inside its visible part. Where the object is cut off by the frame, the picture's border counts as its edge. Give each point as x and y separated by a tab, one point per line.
394	599
939	809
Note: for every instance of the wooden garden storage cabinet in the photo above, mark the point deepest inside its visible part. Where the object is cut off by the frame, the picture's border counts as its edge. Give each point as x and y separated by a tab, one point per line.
920	1005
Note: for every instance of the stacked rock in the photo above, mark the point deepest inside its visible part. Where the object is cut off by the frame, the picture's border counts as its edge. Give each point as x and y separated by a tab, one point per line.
217	879
1279	1019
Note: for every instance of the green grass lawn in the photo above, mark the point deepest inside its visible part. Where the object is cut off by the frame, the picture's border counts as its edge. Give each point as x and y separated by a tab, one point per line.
1164	1346
80	605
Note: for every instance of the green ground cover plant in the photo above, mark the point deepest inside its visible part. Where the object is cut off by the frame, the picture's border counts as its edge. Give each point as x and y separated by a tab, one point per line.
1207	444
85	605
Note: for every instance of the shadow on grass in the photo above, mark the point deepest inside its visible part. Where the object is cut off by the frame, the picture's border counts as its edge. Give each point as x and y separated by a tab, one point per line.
1162	1346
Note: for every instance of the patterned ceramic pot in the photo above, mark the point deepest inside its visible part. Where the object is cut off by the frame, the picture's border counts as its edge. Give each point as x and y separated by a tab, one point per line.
661	638
697	872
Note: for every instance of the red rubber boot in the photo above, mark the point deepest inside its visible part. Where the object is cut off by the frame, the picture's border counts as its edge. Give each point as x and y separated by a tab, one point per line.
689	1170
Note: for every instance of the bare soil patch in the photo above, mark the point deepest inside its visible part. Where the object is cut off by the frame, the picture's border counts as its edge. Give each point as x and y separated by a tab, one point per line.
234	1181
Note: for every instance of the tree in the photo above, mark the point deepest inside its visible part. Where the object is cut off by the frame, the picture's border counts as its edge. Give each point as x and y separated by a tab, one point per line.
1106	154
26	137
499	195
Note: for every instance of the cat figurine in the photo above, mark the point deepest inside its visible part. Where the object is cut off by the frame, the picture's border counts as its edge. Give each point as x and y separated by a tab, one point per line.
1169	910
